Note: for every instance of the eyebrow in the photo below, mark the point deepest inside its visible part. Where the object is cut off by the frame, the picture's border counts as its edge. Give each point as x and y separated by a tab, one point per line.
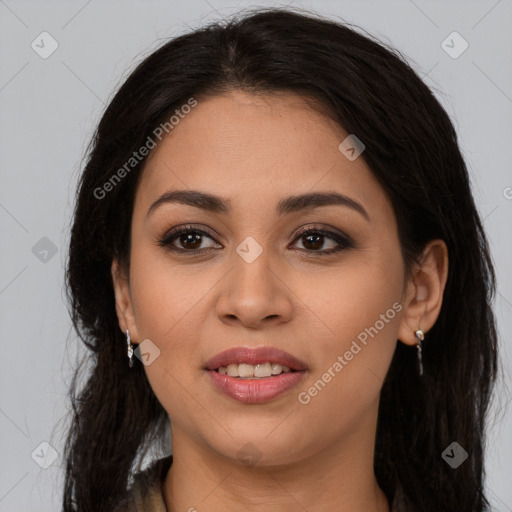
216	204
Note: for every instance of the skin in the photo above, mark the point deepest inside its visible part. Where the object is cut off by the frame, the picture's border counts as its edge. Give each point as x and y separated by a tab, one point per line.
255	150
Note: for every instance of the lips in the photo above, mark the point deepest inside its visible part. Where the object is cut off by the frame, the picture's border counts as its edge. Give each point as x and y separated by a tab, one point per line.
254	356
255	391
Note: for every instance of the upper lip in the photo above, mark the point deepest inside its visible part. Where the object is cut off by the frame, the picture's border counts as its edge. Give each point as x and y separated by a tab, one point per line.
245	355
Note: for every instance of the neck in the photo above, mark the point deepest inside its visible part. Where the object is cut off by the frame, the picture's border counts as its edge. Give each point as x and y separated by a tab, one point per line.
340	478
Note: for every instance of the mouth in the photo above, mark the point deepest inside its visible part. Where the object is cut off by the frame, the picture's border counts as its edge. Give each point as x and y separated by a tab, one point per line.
251	371
256	375
244	362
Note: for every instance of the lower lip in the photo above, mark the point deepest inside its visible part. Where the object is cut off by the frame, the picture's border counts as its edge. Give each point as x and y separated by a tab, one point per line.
255	391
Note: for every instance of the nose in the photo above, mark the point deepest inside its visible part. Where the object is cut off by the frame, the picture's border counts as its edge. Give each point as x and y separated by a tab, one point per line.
255	295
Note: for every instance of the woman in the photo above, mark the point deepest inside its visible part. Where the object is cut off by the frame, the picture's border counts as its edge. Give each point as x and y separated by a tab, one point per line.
275	252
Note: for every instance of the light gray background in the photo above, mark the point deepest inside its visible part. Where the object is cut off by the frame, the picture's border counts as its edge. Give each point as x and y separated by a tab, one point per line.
49	108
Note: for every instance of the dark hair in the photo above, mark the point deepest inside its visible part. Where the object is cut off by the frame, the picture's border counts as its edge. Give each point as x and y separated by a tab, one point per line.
411	148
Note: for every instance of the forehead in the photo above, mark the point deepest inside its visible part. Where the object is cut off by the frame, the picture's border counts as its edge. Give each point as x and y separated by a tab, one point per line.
245	146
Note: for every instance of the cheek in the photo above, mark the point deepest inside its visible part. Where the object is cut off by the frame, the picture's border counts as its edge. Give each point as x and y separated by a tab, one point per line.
164	301
344	300
170	305
163	293
353	320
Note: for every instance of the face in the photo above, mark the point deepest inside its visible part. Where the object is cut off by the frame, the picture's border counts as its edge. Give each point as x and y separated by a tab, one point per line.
323	283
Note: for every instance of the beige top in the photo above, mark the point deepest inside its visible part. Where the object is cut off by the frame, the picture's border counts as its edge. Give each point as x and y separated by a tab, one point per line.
148	496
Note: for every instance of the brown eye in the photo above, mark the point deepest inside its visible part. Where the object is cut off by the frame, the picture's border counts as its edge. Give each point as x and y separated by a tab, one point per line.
190	240
313	240
185	239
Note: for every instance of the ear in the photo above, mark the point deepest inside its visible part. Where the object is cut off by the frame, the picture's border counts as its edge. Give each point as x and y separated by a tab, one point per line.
124	306
424	292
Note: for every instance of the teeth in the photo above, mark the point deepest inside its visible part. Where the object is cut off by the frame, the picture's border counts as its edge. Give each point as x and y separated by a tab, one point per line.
250	371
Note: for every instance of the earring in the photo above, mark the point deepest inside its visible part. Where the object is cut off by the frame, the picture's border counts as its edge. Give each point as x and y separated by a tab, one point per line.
421	336
130	348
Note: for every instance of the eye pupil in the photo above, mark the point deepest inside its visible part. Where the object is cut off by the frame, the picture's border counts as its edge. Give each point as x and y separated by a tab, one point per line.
190	240
316	238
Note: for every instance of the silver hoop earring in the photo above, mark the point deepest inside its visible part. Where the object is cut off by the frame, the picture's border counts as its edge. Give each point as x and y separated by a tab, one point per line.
421	336
130	349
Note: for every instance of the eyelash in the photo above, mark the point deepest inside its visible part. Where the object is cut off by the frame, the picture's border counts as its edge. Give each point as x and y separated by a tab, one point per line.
343	241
